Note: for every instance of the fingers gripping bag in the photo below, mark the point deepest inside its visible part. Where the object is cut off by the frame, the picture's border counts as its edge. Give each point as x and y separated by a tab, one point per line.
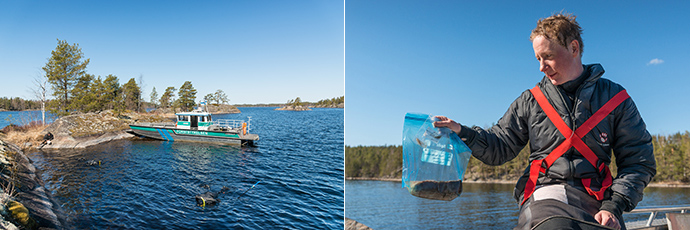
434	159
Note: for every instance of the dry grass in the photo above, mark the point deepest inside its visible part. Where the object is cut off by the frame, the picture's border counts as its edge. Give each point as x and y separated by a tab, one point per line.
32	133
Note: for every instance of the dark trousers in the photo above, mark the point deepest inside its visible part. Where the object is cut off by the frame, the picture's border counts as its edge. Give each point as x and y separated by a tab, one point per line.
559	200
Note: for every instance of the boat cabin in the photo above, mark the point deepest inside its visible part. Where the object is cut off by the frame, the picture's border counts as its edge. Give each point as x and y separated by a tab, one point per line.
194	120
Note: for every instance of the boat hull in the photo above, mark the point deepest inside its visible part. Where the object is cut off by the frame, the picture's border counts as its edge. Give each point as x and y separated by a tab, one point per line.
169	133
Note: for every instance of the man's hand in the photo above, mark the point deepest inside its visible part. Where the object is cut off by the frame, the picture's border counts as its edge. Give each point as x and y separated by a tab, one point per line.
607	218
447	122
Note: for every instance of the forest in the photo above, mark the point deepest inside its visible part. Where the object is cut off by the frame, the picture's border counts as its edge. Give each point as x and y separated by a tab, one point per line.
672	154
18	104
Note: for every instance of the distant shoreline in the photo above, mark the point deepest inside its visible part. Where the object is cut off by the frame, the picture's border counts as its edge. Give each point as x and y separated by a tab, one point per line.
654	185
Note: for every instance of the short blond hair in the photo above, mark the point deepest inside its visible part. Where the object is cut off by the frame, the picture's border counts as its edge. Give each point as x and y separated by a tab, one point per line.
561	28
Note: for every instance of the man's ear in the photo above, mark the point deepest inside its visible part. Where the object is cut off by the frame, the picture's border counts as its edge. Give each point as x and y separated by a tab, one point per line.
574	48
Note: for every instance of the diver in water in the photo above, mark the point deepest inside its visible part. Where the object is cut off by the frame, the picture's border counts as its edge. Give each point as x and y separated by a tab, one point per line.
209	198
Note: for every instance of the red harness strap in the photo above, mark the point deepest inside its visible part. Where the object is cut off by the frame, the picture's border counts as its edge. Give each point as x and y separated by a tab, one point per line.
572	139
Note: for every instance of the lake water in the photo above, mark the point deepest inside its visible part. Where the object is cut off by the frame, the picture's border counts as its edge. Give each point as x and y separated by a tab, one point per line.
144	184
22	117
386	205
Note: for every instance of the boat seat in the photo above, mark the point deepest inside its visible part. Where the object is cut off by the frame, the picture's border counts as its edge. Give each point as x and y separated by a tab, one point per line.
678	221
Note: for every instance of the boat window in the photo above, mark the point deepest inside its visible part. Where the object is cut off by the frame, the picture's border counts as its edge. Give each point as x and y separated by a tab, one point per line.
202	119
183	118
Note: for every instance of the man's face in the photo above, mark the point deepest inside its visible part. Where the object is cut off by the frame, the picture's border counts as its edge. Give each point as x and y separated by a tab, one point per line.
560	64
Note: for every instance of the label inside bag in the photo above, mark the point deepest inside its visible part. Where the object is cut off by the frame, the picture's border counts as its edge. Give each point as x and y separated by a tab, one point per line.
435	153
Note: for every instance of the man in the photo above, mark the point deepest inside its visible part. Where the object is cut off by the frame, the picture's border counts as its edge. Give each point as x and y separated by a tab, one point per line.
573	119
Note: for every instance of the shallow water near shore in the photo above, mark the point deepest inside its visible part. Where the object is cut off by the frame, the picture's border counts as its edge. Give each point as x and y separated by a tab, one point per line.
143	184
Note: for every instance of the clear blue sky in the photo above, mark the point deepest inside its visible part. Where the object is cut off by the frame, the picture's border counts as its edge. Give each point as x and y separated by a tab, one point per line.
255	51
469	60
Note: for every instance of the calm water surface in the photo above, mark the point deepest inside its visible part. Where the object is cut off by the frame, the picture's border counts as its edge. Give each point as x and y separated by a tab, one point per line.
145	184
22	117
386	205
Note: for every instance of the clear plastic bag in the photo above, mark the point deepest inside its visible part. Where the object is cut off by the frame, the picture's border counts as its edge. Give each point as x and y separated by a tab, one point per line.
434	159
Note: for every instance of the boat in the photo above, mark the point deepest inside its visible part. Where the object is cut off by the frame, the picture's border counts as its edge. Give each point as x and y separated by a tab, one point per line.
199	126
676	217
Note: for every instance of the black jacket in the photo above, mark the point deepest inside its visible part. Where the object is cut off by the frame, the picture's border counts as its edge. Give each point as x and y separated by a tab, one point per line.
622	131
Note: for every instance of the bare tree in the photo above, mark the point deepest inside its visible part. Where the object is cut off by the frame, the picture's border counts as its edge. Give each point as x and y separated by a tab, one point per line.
141	93
40	91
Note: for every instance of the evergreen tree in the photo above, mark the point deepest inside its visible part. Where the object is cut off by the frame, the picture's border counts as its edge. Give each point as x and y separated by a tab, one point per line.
130	95
111	96
187	95
64	67
209	98
154	97
167	97
297	102
221	97
99	101
82	93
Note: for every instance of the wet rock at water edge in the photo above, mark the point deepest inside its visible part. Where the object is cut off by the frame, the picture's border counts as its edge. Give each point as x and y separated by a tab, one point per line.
436	190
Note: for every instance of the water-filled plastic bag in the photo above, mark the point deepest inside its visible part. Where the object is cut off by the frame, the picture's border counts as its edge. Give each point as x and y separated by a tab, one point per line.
434	159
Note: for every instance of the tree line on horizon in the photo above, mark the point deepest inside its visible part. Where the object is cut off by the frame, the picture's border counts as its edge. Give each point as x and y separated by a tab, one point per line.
671	152
324	103
18	104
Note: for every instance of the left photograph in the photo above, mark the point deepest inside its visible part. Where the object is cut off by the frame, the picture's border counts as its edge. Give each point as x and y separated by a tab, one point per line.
212	115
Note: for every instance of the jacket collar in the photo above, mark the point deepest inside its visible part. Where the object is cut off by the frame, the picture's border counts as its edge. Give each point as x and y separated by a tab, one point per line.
594	72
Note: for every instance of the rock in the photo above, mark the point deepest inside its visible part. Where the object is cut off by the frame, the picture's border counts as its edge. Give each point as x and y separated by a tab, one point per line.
294	108
33	196
20	214
351	224
7	225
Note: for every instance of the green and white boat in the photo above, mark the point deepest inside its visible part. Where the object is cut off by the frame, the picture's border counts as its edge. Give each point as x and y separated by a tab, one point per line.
198	126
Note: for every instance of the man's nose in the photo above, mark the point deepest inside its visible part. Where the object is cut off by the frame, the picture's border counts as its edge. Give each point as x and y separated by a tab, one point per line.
542	66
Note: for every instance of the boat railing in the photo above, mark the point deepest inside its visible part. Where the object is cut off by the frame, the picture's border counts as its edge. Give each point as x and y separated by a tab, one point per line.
158	125
653	211
233	124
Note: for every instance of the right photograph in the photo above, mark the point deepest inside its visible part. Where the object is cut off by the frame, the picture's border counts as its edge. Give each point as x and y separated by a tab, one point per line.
476	115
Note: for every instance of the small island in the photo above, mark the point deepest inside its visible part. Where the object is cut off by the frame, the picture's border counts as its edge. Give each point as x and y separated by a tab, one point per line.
298	105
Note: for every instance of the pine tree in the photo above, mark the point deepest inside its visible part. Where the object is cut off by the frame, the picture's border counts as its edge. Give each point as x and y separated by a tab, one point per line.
112	95
64	67
82	93
167	97
154	97
131	94
187	95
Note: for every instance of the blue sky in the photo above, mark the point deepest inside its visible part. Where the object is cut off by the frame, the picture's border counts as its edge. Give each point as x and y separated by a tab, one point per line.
255	51
469	60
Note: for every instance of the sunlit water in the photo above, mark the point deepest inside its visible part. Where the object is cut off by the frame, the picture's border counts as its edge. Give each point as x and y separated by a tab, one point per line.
386	205
144	184
22	117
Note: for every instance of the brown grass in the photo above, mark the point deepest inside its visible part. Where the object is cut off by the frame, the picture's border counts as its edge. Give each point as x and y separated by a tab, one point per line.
30	133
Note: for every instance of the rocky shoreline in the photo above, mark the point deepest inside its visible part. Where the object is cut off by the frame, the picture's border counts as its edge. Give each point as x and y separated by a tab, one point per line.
25	203
294	108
